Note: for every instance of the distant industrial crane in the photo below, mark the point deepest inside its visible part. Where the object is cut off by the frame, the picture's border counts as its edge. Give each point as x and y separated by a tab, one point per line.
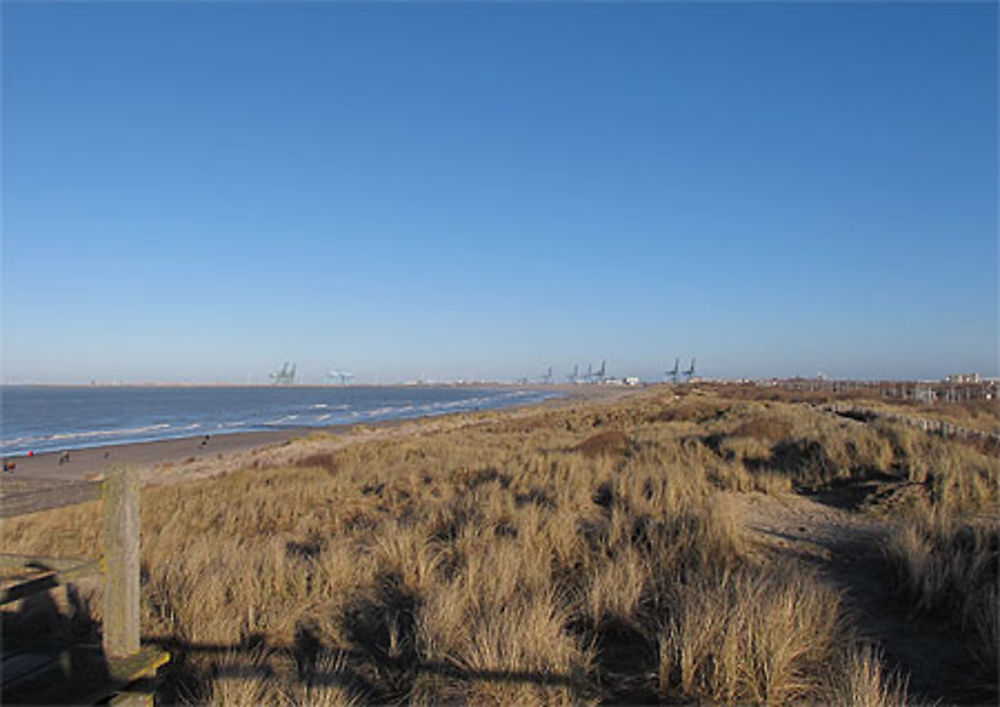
598	375
574	375
343	376
286	376
547	378
689	373
675	373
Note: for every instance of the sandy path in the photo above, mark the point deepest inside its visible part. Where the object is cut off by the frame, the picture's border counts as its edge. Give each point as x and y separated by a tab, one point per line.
846	548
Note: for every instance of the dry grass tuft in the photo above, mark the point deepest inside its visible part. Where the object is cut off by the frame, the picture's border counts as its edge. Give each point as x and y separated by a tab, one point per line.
610	443
767	428
948	568
749	636
322	460
867	684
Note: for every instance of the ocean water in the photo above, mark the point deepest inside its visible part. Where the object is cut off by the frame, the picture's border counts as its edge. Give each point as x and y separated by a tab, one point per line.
52	418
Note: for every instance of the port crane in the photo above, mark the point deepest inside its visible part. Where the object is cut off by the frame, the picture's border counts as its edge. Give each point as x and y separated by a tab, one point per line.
343	376
674	374
574	375
286	376
598	375
547	378
689	373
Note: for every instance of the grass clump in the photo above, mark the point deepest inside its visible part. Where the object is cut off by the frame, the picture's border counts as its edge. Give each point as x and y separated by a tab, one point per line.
750	635
948	568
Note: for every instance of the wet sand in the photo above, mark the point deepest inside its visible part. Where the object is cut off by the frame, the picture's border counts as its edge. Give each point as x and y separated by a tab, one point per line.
89	462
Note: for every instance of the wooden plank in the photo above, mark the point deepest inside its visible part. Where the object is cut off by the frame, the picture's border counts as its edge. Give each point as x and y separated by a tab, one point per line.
81	675
48	579
121	553
123	672
78	572
42	561
24	665
40	583
69	494
143	663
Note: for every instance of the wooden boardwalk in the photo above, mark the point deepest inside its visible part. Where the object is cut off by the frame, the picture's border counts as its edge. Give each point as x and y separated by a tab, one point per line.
119	670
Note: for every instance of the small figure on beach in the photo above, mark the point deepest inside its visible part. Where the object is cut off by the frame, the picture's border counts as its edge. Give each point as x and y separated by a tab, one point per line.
8	466
204	442
64	458
107	454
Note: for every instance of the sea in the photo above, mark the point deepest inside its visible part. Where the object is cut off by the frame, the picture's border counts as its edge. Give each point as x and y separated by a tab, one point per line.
55	418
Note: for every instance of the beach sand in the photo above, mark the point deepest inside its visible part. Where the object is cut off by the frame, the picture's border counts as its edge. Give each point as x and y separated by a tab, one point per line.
91	461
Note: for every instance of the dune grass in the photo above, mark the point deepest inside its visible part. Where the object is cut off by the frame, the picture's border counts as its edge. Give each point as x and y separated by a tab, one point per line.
578	555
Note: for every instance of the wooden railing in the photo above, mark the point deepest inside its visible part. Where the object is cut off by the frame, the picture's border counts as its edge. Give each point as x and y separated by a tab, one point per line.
942	428
121	669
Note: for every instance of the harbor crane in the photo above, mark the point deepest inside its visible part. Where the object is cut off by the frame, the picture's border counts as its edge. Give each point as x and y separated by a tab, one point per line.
597	376
674	374
343	376
574	375
286	376
547	378
689	373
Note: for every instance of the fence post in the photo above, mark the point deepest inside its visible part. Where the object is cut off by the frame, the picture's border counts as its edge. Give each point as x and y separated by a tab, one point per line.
121	557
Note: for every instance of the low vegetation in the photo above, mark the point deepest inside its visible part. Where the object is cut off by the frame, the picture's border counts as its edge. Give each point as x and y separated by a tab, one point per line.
585	554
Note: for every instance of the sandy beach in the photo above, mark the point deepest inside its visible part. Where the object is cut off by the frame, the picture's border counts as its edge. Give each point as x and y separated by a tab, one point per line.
88	462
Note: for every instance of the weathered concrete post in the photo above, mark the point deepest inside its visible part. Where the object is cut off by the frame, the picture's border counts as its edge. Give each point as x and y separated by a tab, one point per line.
121	557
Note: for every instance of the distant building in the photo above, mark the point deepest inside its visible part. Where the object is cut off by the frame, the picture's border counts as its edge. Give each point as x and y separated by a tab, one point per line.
963	378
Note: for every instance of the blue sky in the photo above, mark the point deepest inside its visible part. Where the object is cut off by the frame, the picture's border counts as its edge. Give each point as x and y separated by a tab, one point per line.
198	192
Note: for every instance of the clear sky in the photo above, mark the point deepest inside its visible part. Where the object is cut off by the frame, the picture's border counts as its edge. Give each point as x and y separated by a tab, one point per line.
198	192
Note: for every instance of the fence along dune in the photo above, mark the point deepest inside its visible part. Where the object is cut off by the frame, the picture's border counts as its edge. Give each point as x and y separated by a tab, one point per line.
592	553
